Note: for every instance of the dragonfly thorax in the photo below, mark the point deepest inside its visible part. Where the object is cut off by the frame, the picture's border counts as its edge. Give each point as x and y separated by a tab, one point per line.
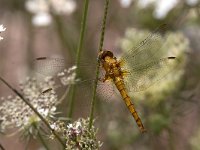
110	65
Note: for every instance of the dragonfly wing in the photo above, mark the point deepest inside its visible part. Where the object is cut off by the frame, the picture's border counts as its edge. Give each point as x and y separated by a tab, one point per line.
52	66
106	91
49	66
145	75
147	49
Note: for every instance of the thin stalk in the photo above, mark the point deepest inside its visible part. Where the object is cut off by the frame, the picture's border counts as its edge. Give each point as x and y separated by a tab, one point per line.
63	96
61	30
41	138
78	53
171	141
31	35
32	108
98	63
27	143
2	148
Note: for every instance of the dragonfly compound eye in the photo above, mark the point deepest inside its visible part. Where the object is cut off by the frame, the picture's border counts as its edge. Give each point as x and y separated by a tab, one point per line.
104	54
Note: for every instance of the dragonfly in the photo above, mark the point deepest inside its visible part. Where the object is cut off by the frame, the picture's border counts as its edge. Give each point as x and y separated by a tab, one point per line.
134	71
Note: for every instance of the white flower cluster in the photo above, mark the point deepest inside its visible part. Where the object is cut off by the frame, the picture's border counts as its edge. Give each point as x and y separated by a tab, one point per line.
125	3
15	113
77	135
74	129
1	30
68	76
42	9
162	7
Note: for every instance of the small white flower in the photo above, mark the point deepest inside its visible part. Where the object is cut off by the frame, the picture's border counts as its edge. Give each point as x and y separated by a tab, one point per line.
145	3
35	6
78	124
63	6
1	30
60	74
192	2
163	7
69	126
125	3
78	127
53	126
42	9
42	19
53	109
68	76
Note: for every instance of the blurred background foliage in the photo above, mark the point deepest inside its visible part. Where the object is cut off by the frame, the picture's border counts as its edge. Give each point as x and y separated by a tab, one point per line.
169	109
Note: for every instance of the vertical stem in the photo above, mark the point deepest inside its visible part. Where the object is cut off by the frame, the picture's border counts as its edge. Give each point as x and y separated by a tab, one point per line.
78	52
34	110
62	32
31	35
98	64
42	141
41	138
27	143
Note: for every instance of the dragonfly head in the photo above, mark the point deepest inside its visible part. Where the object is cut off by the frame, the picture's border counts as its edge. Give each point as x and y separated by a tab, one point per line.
103	54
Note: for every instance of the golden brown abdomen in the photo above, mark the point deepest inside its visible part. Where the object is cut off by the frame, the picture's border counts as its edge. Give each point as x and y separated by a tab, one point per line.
121	87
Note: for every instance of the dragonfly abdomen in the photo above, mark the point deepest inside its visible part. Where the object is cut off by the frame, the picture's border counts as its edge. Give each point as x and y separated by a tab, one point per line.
121	87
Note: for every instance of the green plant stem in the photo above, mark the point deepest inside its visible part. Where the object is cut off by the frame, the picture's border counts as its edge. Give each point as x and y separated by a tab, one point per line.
27	143
41	138
31	35
35	111
78	53
62	33
63	96
98	63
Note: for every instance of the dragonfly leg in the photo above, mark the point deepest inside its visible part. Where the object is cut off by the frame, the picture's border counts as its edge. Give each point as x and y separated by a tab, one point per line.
105	78
101	79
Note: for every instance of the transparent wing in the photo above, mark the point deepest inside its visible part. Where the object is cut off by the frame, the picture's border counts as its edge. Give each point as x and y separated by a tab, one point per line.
143	76
146	49
84	85
49	66
52	66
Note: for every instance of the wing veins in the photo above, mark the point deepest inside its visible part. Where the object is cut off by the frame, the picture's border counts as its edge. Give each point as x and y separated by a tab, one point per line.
146	71
152	38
